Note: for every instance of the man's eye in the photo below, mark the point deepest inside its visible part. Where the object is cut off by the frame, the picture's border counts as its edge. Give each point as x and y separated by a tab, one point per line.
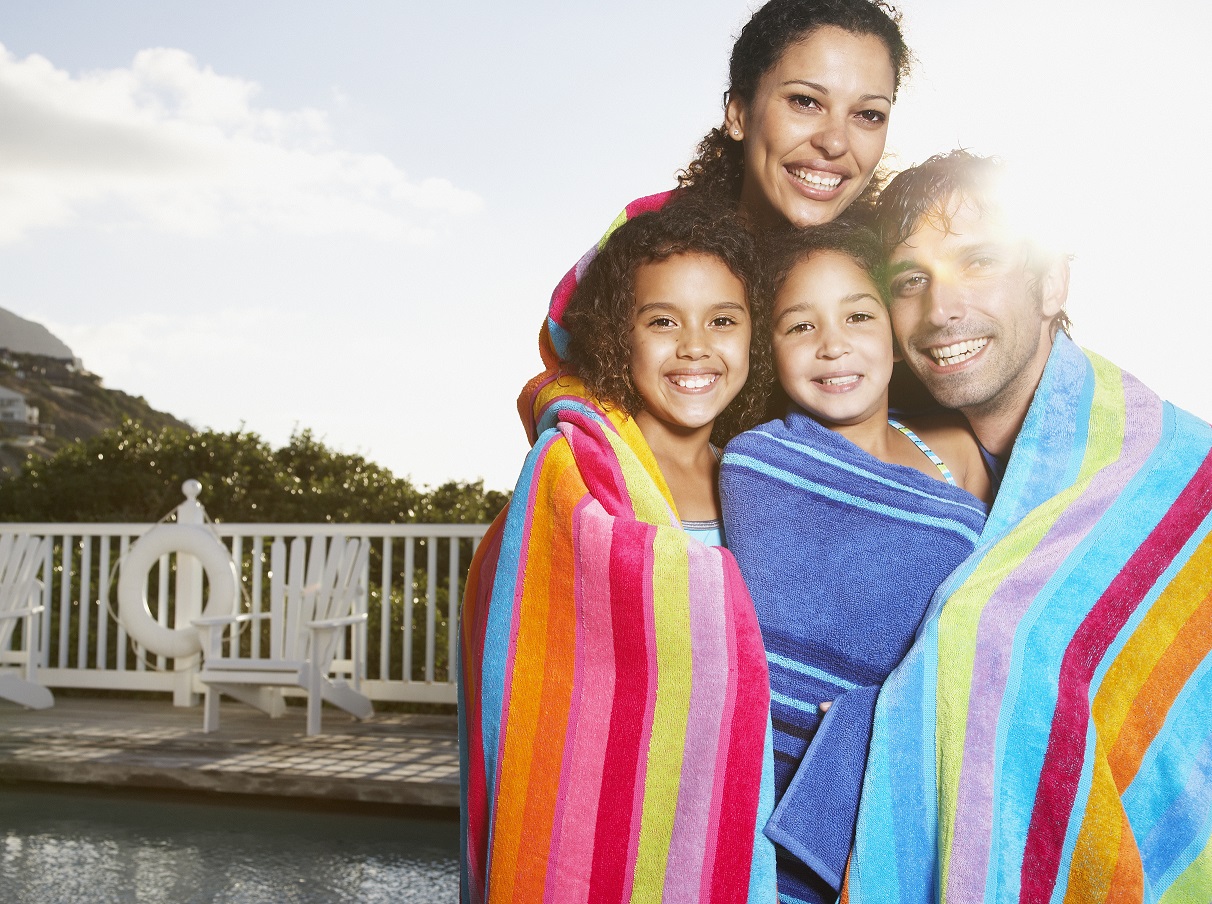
909	285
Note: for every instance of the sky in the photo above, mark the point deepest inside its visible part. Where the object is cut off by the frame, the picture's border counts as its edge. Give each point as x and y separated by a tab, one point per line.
348	218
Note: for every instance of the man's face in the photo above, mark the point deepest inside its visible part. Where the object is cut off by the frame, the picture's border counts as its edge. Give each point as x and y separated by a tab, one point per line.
971	321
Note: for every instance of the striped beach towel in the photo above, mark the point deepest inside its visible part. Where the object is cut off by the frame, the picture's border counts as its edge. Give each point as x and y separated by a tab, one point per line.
842	553
1049	736
614	701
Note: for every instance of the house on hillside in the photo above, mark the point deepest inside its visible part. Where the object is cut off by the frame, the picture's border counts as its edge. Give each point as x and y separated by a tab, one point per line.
14	410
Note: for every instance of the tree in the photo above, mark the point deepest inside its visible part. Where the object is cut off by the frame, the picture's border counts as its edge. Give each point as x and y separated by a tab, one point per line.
134	474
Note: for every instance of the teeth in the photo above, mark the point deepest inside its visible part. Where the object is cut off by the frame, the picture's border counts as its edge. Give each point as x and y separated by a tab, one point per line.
960	351
815	179
696	382
840	381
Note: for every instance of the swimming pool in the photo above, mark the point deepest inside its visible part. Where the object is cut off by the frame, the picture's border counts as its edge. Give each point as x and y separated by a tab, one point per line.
88	847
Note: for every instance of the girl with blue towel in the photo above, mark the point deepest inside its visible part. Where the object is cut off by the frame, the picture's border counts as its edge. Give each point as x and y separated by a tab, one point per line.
844	522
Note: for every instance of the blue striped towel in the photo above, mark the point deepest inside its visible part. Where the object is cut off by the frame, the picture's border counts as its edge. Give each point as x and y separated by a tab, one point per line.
841	553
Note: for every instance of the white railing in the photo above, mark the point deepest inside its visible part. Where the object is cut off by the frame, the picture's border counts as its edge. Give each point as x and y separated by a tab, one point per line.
408	640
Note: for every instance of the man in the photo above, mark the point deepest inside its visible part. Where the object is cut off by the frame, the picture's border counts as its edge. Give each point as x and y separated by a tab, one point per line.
1049	736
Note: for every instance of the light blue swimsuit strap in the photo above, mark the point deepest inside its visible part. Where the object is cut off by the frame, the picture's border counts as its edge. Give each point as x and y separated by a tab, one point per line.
926	450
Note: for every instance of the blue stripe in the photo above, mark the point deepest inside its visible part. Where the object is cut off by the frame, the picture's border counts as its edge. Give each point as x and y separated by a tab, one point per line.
946	524
854	469
793	665
801	705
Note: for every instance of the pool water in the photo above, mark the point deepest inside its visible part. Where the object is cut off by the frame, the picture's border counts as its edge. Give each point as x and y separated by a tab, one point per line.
96	848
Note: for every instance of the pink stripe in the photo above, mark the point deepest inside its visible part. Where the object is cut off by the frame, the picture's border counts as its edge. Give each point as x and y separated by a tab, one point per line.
571	860
999	622
708	696
728	719
646	727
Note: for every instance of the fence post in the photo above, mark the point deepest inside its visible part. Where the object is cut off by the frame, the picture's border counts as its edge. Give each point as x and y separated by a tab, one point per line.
188	597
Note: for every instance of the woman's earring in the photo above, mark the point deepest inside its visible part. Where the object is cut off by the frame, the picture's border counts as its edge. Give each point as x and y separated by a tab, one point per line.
736	133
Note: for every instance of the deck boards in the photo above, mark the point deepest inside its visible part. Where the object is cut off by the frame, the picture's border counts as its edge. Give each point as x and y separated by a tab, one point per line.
393	759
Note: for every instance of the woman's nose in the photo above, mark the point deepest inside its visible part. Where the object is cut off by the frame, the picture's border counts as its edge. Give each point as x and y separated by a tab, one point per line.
832	140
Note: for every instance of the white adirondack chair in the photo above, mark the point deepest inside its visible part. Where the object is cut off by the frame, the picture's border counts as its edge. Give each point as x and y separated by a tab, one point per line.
309	611
21	555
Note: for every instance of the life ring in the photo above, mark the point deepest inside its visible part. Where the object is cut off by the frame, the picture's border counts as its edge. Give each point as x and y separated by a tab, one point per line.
133	610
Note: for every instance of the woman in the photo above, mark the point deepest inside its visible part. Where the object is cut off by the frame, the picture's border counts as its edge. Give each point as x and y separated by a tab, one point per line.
812	83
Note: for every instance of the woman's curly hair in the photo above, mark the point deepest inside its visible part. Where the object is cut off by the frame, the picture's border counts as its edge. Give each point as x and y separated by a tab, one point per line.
719	161
600	314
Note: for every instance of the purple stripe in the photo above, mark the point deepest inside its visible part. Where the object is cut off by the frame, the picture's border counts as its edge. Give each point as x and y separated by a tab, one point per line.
999	621
708	695
570	862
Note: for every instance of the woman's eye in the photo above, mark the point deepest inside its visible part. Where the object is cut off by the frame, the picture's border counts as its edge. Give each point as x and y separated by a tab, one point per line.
875	117
860	317
803	100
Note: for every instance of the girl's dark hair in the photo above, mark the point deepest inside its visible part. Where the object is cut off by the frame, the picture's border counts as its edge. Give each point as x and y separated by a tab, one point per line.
784	248
719	160
601	311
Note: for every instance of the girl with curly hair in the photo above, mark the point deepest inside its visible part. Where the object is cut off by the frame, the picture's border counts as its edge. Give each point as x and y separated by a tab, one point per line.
615	698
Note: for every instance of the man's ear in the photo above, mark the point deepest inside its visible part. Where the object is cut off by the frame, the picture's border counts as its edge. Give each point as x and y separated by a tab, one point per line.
1054	287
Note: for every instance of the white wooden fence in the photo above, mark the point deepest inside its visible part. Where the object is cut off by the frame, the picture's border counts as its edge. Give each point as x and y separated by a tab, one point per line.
411	593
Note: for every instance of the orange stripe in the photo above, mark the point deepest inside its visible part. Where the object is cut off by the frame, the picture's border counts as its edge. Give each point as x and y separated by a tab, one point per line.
1091	873
524	720
1128	882
1184	616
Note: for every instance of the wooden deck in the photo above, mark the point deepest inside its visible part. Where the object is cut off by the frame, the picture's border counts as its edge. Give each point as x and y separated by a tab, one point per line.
393	759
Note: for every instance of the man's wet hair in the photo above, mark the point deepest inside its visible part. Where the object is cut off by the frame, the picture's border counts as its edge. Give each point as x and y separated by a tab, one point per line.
932	190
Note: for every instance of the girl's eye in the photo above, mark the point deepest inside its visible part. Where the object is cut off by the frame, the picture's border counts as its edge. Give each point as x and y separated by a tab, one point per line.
860	317
663	322
800	328
723	320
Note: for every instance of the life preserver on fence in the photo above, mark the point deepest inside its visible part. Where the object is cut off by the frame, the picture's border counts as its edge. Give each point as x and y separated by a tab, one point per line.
133	611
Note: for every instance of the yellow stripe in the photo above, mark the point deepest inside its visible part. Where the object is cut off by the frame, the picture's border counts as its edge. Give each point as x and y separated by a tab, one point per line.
671	713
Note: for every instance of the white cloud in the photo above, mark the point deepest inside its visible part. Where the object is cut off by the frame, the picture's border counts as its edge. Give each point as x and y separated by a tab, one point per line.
172	145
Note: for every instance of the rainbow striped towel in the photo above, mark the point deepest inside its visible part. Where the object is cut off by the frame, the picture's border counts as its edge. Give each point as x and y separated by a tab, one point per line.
1049	737
614	703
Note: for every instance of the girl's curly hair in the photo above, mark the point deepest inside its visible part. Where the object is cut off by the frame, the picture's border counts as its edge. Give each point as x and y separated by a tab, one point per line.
719	162
600	313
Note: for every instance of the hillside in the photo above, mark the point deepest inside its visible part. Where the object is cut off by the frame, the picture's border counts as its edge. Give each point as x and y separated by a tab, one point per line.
72	405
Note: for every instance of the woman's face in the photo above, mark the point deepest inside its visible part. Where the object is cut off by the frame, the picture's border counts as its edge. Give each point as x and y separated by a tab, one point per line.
815	129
